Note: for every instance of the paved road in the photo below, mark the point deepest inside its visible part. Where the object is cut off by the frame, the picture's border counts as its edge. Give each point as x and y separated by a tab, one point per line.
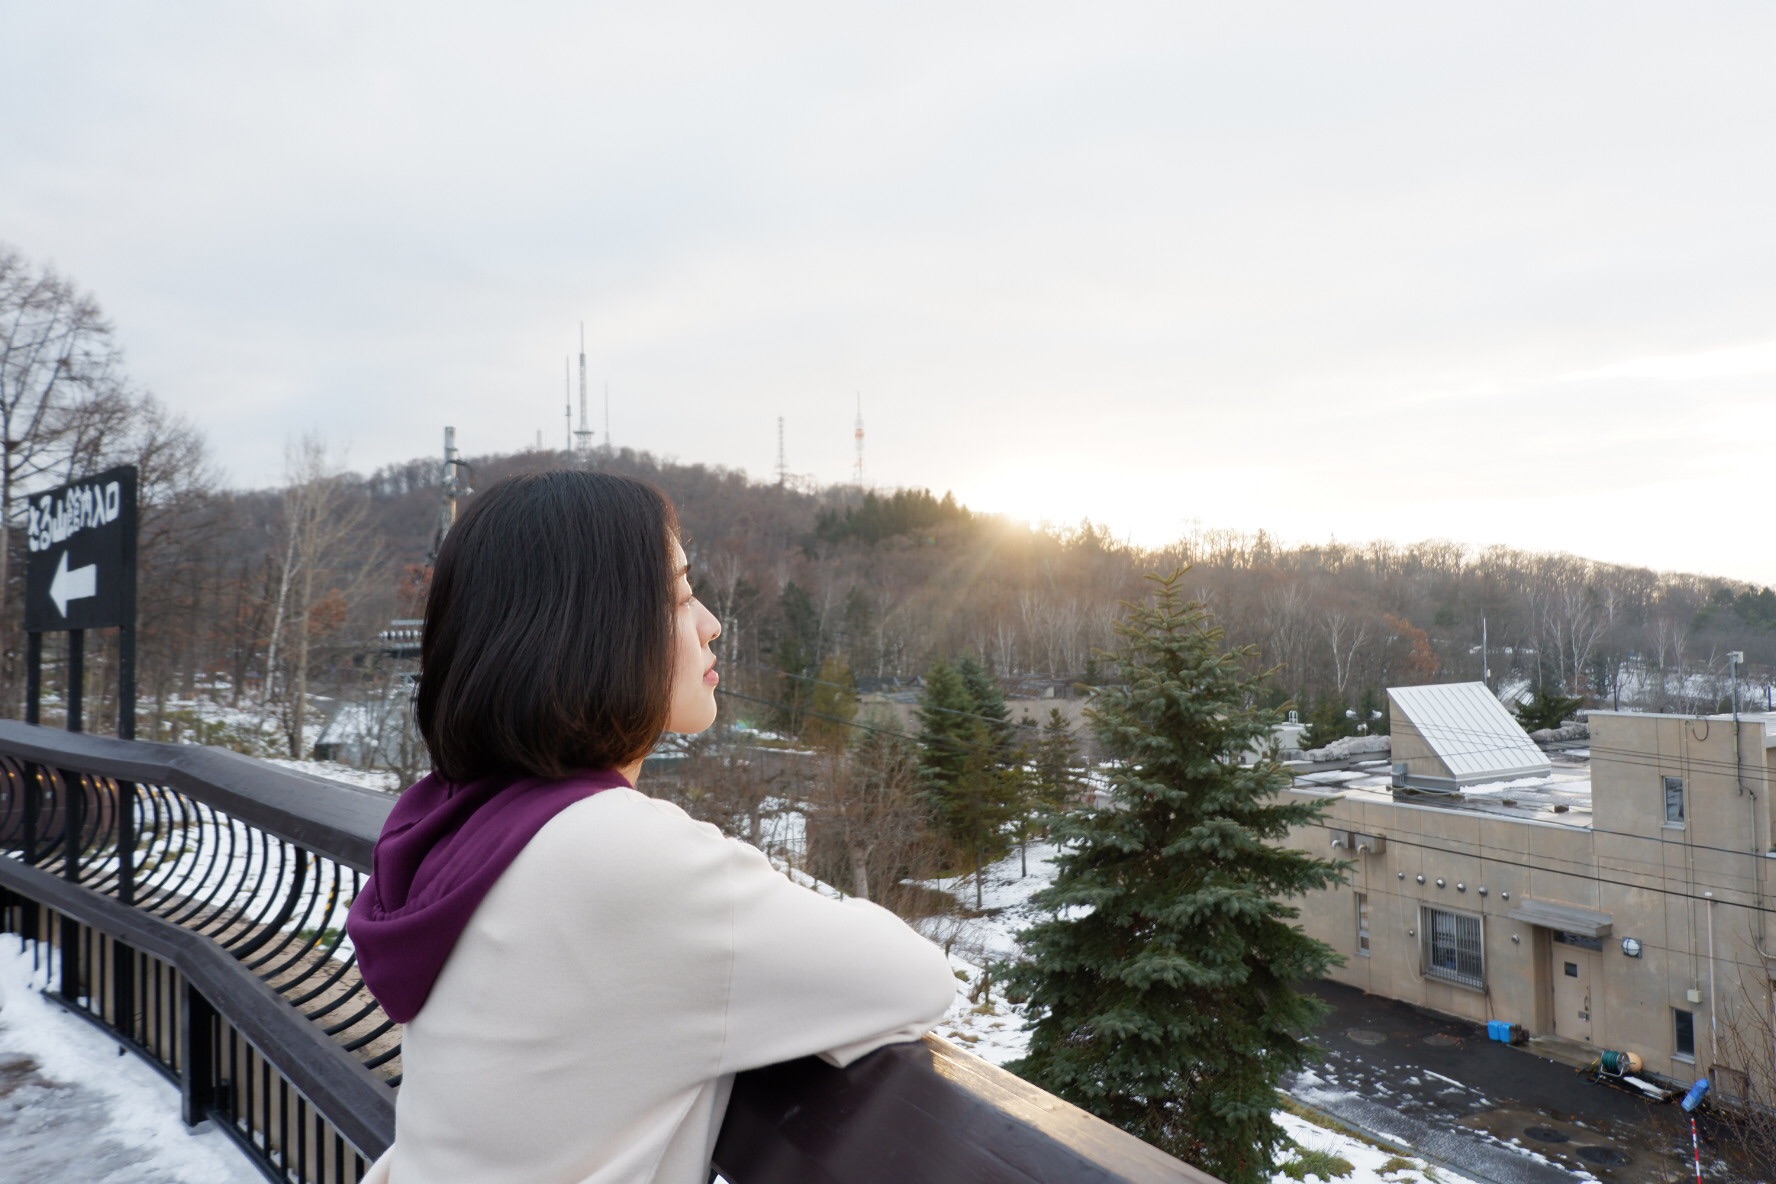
1489	1111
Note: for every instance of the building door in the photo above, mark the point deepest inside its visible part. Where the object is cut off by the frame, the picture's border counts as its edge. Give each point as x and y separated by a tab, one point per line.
1575	970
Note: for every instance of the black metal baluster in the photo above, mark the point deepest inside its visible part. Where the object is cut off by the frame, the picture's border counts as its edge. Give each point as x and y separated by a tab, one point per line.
197	1054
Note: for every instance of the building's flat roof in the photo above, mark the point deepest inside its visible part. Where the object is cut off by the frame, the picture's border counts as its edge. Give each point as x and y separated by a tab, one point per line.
1469	730
1561	796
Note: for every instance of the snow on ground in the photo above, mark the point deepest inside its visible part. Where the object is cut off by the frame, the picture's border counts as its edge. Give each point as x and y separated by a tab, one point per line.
982	1021
1369	1164
67	1097
380	780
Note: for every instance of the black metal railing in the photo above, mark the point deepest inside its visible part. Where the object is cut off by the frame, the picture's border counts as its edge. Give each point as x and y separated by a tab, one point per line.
191	901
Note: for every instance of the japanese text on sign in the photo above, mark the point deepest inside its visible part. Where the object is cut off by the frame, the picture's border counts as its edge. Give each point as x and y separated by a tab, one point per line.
56	519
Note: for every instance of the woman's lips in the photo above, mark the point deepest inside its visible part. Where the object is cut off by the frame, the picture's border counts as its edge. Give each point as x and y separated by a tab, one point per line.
710	677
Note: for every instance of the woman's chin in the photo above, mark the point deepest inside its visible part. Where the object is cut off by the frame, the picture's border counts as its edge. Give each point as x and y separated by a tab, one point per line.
691	724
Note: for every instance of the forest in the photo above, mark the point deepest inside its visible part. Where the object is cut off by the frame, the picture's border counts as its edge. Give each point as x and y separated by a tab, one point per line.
272	600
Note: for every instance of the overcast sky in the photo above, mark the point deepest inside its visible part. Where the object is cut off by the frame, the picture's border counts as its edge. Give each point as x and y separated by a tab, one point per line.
1492	272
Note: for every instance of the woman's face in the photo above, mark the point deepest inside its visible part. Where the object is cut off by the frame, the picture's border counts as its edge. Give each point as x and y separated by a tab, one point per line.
693	662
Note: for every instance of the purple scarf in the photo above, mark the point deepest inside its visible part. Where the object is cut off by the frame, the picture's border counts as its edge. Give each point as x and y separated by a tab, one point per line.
441	851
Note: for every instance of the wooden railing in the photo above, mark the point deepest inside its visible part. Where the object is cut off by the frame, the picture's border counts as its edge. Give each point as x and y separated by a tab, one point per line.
191	901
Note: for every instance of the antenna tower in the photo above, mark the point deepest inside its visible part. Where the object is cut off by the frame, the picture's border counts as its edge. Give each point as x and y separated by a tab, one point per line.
782	466
567	400
607	417
584	435
857	476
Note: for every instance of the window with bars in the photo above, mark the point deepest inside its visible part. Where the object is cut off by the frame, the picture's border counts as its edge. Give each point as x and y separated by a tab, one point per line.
1452	948
1363	924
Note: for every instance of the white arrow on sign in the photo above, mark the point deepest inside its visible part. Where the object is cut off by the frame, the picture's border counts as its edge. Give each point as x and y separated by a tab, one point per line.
73	585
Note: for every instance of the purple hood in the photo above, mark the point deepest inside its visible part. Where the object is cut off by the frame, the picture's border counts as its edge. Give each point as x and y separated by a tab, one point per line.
441	851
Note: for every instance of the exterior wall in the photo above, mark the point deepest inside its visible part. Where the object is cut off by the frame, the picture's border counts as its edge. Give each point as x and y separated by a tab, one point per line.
1661	885
1409	746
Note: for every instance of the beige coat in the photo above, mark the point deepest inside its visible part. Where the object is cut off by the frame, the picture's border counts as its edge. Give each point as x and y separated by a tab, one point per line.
588	1025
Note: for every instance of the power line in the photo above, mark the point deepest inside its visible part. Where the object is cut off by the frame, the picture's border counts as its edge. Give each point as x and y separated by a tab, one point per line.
817	681
1599	878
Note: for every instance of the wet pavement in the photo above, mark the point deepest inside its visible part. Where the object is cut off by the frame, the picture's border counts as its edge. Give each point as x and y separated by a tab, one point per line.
1494	1113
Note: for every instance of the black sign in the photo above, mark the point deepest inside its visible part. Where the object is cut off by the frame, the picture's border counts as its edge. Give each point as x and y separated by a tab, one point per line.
82	568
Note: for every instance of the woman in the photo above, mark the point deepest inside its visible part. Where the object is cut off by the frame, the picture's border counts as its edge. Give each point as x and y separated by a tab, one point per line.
582	968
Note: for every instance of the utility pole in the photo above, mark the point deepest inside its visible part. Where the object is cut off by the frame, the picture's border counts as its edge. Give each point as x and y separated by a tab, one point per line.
1734	659
453	489
1485	668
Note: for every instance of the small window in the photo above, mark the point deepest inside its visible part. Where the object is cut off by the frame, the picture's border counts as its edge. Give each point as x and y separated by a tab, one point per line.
1578	939
1685	1033
1572	970
1674	801
1452	948
1363	924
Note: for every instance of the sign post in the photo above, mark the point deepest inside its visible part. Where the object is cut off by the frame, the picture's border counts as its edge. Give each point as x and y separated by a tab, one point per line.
81	575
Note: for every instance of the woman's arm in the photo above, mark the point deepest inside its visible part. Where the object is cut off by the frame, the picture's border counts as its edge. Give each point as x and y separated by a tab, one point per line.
839	978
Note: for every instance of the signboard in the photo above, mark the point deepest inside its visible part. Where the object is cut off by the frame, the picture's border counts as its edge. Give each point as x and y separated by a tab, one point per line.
81	570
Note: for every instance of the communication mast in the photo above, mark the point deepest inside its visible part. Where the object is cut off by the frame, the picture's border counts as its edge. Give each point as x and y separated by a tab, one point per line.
567	401
857	476
584	436
607	418
782	465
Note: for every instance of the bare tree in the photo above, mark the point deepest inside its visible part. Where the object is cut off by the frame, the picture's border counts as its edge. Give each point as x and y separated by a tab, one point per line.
867	819
327	559
1345	633
59	382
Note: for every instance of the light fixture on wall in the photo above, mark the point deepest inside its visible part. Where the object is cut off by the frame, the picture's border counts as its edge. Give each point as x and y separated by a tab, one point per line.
1439	881
1460	887
1481	890
1421	879
1631	946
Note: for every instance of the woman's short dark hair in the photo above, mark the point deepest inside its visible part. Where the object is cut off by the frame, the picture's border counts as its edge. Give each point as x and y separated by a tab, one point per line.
548	628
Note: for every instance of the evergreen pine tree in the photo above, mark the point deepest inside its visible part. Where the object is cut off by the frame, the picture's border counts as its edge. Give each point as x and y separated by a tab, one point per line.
1162	985
1547	708
1056	750
862	647
832	705
798	657
1372	711
1327	720
974	787
946	729
989	706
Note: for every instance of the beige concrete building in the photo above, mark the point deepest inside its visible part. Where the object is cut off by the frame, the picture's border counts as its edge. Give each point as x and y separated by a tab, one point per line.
1624	899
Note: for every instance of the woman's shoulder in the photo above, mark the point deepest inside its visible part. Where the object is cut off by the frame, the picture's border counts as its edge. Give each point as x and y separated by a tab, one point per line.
626	832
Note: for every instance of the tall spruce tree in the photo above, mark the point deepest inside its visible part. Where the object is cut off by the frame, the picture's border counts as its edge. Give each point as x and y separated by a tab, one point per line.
798	657
1056	750
1163	984
973	779
831	706
989	707
946	727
